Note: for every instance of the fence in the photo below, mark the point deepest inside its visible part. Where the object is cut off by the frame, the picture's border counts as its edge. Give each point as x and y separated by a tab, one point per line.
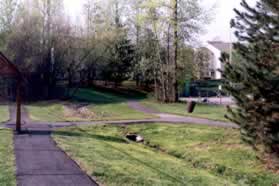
203	88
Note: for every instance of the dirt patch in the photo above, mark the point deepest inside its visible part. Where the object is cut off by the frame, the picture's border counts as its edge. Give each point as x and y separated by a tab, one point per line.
271	163
78	111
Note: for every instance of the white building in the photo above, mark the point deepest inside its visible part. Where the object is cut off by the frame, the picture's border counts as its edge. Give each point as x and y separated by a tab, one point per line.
215	49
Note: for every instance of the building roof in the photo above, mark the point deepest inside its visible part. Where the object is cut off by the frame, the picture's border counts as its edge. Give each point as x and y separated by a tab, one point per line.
7	68
222	46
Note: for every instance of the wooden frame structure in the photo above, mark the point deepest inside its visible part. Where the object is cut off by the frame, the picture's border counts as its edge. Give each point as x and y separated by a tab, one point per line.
8	69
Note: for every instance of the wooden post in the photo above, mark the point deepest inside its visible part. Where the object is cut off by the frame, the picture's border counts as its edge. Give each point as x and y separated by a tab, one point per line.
18	105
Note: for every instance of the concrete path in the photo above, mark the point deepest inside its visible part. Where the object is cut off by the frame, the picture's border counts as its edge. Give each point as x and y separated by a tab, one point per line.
171	118
139	107
162	118
39	162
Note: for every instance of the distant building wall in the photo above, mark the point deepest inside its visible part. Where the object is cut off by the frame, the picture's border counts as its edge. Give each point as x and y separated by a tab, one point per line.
217	64
219	47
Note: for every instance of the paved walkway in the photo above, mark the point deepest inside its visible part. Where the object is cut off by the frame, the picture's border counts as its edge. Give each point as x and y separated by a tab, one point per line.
39	162
139	107
171	118
162	118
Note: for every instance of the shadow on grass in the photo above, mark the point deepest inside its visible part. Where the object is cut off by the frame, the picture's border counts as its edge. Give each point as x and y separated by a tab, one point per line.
147	164
92	136
43	103
107	140
99	95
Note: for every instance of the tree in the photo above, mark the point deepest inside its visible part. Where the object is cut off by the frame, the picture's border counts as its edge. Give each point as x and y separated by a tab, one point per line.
110	51
39	43
122	53
175	45
186	21
7	16
203	61
120	40
254	80
51	13
146	67
174	23
120	65
187	69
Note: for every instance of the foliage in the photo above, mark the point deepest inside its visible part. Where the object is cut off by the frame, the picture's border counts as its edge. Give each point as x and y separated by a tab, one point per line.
149	41
187	69
7	9
121	62
204	63
172	23
253	81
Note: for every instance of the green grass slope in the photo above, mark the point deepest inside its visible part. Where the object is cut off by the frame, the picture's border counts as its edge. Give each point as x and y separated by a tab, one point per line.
171	155
7	159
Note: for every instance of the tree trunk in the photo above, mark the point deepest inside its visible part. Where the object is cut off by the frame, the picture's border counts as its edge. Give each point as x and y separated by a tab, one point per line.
18	106
175	44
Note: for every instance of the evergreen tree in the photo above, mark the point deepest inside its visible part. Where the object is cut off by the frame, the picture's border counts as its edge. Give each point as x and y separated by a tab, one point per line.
254	81
121	64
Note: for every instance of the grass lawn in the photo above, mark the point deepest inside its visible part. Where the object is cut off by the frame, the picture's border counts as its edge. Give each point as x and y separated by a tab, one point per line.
171	155
105	106
4	113
7	159
54	112
46	111
218	150
212	112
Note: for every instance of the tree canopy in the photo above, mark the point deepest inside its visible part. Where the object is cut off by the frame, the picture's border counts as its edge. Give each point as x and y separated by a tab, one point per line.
254	80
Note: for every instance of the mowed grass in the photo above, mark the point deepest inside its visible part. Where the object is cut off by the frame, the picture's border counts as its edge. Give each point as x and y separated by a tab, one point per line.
54	112
118	111
105	106
97	97
171	155
46	111
213	112
105	154
218	150
7	159
4	113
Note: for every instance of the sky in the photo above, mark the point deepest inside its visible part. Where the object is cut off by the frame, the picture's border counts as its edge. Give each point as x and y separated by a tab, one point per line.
219	29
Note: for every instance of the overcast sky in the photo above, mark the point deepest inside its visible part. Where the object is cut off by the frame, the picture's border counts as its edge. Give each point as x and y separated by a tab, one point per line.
219	28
